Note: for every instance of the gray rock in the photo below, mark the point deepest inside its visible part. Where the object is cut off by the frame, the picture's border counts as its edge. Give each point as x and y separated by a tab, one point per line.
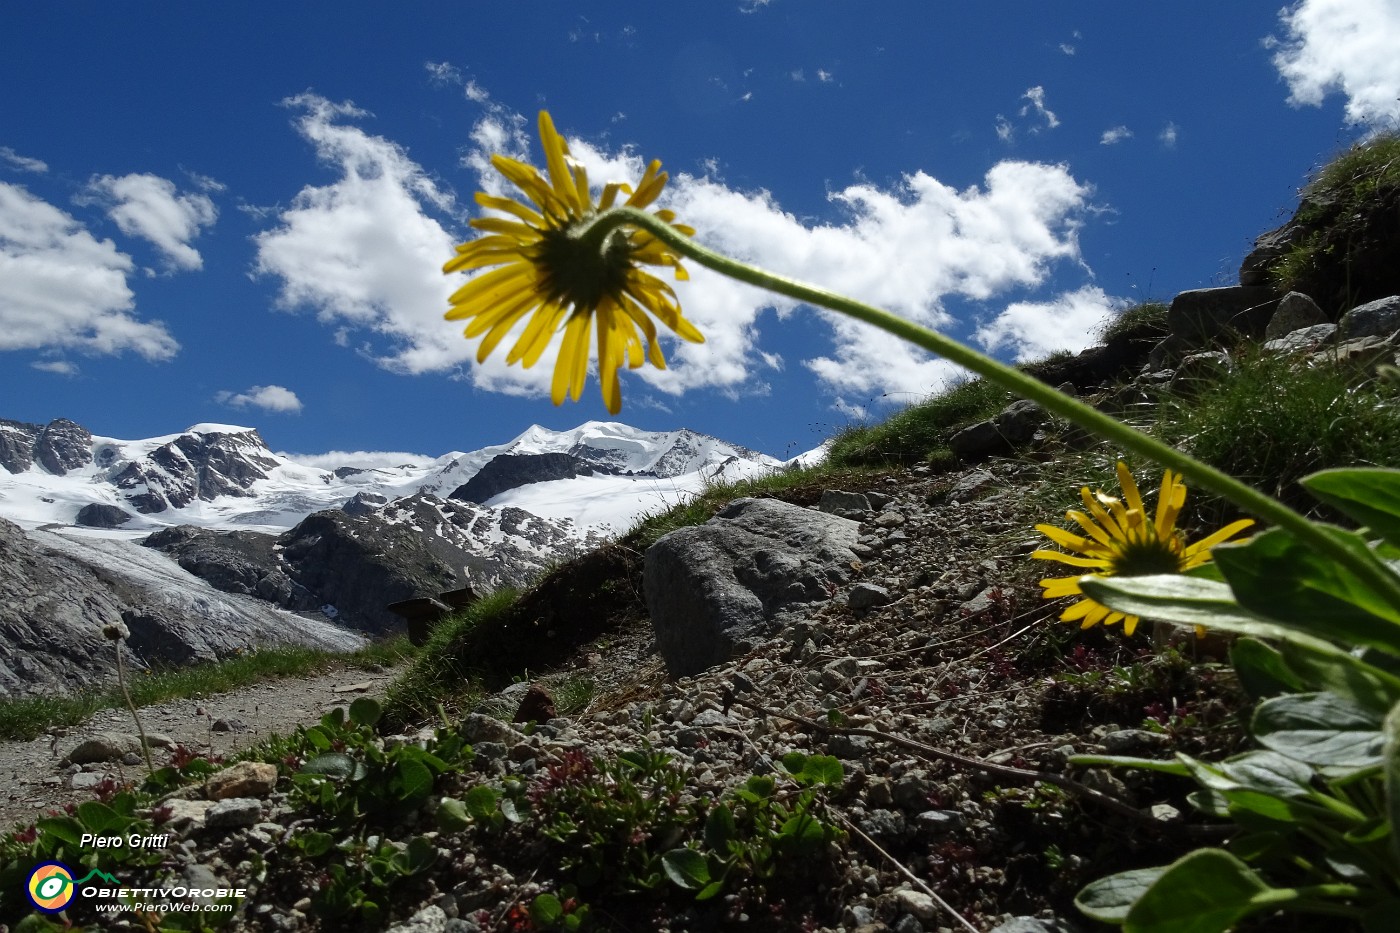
1302	341
1012	428
915	902
478	727
431	919
17	439
1133	741
103	746
837	501
970	485
63	445
86	780
867	596
1379	318
849	747
233	813
98	515
1295	311
1199	370
1203	315
711	586
885	825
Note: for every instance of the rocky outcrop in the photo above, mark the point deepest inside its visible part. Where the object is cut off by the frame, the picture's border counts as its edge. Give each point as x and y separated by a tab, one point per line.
712	587
507	471
59	446
195	465
57	594
243	562
97	515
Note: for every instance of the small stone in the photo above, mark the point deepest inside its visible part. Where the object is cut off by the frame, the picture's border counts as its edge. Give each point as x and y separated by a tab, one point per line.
1133	741
867	596
837	501
916	902
233	813
536	706
431	919
478	727
1164	812
245	779
185	813
231	724
890	519
849	746
937	822
86	780
104	746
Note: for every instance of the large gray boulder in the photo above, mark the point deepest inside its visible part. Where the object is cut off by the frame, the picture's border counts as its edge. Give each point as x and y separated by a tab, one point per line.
1205	314
710	587
1295	312
1379	318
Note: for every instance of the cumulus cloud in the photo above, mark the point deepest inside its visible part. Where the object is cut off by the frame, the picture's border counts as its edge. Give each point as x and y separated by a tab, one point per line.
62	288
150	207
1115	135
365	253
22	163
268	398
1034	330
1342	46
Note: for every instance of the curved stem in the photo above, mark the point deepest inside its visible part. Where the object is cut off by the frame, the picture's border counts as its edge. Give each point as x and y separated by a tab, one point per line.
1024	385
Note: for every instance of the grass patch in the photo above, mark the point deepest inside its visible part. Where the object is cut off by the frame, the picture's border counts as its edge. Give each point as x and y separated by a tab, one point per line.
443	672
27	717
919	433
1272	422
1146	321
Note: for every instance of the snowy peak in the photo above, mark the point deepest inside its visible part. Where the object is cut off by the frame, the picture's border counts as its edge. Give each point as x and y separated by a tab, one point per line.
206	462
621	449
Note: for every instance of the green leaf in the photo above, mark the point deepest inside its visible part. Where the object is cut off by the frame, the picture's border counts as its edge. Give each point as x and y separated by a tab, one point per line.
1262	670
1183	600
822	769
509	810
1206	891
1122	761
1276	576
760	785
720	828
1263	771
1391	731
793	762
1327	667
1109	899
803	829
1320	729
61	827
710	890
452	815
365	711
98	818
318	738
1371	496
545	911
420	855
481	801
315	844
415	781
687	868
332	764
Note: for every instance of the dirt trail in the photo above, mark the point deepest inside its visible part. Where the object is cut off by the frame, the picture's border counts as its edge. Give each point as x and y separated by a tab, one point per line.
33	782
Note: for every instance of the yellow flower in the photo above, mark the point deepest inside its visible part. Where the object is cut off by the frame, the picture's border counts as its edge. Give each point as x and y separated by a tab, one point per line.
561	279
1122	542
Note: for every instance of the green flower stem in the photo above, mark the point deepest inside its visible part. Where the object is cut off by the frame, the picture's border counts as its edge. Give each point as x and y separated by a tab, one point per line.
1026	386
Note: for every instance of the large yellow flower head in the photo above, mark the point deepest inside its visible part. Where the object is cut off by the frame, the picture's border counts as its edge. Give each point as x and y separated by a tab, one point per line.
560	278
1122	542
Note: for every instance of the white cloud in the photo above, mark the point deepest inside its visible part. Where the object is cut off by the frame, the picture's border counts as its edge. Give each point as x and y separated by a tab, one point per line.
1115	135
1005	131
363	251
1346	46
268	398
824	76
361	459
797	74
57	367
22	163
753	6
1034	330
149	207
1067	49
1168	135
366	252
62	288
1036	96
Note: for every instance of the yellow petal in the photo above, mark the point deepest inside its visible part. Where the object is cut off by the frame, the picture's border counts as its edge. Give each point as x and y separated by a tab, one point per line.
1129	487
1065	539
1170	500
1073	560
1211	540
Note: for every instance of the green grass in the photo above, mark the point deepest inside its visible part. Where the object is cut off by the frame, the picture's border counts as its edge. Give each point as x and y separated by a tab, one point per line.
921	432
28	717
443	672
1146	321
1273	422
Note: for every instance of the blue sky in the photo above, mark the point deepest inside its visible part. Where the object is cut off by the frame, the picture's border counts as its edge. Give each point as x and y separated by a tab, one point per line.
238	212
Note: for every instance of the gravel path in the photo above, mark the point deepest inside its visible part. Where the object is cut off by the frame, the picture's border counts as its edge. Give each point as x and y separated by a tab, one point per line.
36	781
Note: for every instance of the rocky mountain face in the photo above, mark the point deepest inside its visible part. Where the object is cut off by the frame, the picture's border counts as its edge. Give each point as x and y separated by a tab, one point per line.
58	447
508	471
204	465
57	594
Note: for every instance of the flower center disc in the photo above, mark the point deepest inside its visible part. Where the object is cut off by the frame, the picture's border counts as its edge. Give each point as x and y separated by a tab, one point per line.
580	273
1147	556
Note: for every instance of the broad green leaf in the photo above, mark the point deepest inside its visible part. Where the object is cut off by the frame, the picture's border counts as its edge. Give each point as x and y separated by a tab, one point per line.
452	815
1206	891
1268	772
710	890
316	844
793	761
61	827
822	769
803	829
332	764
1371	496
545	911
1109	899
98	818
1391	731
508	810
420	854
1276	576
1320	729
365	711
1327	667
687	868
317	737
481	801
1262	670
1183	600
415	781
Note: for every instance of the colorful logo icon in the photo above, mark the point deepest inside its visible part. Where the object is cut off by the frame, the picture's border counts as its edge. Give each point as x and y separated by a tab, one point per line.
51	886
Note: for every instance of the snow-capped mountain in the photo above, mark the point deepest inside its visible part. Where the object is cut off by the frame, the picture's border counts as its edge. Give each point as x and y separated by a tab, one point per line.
597	478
